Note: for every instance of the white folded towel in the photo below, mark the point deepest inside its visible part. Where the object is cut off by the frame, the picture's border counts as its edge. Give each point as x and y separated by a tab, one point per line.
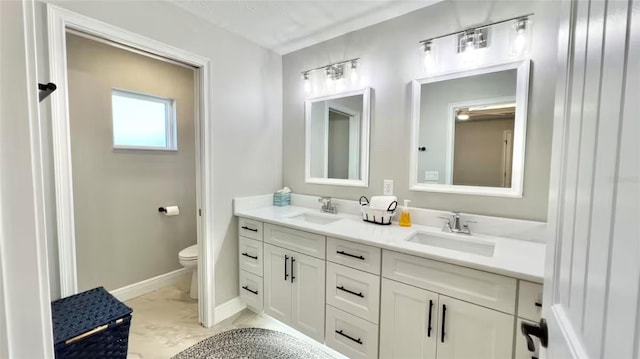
382	202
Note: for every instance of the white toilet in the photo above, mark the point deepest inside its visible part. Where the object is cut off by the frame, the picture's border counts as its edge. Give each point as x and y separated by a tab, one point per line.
189	259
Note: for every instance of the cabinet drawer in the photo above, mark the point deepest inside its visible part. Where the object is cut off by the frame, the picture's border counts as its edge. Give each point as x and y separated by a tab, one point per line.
299	241
251	290
250	228
530	301
353	291
355	255
486	289
250	255
350	335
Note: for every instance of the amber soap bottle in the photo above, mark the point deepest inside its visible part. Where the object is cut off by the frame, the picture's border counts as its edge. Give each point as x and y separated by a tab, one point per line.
405	216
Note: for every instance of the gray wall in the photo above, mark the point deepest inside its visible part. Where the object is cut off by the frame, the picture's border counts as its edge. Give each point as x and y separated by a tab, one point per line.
435	118
121	239
390	59
246	97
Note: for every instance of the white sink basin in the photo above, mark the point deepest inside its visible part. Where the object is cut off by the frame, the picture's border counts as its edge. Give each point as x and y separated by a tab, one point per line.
316	218
462	244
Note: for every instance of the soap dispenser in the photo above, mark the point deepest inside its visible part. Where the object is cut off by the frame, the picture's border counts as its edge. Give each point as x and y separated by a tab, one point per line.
405	216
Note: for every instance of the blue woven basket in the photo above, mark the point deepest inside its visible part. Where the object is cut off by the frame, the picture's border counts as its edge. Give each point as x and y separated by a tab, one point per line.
91	324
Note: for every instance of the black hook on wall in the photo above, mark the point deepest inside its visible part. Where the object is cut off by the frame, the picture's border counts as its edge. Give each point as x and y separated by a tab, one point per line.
45	90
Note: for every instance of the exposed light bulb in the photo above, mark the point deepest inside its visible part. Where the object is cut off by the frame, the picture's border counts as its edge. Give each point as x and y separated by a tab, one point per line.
468	42
307	82
428	60
354	71
519	42
462	117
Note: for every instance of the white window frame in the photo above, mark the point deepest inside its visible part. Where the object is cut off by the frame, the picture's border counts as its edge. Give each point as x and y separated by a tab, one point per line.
170	121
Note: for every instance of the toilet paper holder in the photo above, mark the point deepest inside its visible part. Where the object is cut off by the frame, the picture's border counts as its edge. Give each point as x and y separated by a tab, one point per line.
169	210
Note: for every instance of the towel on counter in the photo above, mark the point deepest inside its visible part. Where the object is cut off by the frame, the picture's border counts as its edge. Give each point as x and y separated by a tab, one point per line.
382	202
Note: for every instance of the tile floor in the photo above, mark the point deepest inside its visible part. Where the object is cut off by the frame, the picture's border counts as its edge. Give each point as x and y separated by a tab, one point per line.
165	322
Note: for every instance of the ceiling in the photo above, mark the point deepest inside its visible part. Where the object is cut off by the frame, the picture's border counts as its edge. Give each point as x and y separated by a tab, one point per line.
286	26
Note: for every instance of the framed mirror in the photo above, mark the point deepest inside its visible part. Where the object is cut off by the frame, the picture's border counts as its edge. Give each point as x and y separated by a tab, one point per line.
337	139
469	131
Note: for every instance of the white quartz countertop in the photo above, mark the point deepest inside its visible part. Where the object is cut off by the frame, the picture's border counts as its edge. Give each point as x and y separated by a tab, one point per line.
512	257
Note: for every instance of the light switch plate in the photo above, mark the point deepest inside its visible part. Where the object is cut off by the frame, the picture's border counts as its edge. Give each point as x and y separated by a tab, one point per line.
387	189
431	175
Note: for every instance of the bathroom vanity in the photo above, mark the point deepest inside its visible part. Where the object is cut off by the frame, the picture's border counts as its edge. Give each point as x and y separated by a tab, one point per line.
371	291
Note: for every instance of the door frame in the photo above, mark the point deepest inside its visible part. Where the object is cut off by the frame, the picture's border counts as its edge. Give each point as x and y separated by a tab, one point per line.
59	20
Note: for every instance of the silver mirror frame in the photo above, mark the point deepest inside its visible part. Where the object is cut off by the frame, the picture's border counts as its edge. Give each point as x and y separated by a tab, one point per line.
364	143
519	133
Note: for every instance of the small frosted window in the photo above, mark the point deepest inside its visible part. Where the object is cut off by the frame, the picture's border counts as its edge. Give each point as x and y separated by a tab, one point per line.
142	121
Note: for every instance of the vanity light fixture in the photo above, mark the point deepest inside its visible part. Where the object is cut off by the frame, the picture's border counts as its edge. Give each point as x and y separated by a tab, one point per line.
519	43
427	55
473	39
307	82
354	71
426	47
334	73
478	37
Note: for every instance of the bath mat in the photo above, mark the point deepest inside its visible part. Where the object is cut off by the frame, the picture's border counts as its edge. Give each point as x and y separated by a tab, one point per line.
252	343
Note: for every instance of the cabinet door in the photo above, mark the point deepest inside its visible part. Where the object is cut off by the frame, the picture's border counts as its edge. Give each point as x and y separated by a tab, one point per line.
472	331
308	283
408	322
277	287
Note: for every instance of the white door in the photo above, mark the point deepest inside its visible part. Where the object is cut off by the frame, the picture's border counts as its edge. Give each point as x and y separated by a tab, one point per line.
593	272
277	285
470	331
408	322
307	281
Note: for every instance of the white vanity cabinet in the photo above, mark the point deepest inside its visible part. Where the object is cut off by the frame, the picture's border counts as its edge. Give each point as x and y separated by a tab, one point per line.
250	259
447	314
294	290
369	303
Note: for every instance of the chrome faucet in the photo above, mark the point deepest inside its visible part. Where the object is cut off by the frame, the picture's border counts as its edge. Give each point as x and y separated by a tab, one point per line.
454	224
327	206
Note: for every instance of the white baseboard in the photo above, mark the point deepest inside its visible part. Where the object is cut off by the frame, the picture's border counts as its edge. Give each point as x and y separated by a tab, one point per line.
149	285
228	309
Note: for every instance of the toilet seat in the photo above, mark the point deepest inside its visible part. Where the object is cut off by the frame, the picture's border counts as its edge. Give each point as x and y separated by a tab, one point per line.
189	254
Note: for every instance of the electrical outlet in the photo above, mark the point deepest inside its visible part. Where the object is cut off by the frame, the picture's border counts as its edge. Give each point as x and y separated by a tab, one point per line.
431	175
387	190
